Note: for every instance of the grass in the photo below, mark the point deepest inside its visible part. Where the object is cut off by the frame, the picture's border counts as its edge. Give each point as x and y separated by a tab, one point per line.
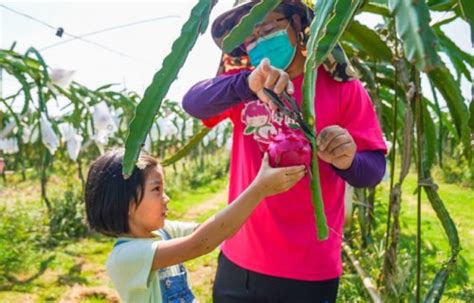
183	202
459	201
82	262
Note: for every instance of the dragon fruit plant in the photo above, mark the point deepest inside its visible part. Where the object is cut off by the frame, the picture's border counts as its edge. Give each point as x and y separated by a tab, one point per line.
298	147
288	148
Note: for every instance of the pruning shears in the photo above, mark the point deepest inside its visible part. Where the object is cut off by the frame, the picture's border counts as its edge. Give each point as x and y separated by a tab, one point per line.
292	112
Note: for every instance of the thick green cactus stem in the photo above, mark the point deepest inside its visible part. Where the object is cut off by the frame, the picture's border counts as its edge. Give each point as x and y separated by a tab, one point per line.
317	197
330	21
157	90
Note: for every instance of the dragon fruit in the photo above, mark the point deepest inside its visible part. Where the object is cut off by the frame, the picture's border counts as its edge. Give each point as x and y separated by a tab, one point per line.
288	148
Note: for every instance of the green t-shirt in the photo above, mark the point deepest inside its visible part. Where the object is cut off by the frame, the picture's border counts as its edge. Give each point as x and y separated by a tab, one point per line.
129	264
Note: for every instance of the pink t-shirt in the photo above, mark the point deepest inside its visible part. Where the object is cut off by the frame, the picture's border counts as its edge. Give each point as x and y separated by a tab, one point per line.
279	238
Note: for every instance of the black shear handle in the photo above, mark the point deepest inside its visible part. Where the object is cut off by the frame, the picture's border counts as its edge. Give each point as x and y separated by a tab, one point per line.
294	113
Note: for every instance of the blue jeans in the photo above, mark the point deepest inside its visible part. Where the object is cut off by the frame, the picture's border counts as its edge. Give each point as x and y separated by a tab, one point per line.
175	289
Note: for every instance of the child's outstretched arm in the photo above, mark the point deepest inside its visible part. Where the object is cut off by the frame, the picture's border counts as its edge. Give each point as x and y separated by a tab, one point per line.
215	230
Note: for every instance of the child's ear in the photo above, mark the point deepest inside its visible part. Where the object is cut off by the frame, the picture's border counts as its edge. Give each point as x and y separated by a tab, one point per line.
131	209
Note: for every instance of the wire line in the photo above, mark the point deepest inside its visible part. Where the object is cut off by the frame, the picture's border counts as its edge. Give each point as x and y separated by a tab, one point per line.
109	29
76	37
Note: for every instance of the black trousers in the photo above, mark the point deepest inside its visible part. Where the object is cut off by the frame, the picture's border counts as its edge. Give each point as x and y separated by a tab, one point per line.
234	284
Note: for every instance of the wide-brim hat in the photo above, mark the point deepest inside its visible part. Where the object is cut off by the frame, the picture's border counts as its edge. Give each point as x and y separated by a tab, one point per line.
225	22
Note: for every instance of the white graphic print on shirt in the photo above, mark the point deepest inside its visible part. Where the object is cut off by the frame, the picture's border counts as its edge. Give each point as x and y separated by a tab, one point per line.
262	123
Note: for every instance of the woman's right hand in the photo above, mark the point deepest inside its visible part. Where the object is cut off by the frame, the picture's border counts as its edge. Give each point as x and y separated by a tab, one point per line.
267	76
271	181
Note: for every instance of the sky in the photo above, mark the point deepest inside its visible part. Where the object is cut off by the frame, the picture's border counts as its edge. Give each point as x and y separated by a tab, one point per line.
138	50
143	46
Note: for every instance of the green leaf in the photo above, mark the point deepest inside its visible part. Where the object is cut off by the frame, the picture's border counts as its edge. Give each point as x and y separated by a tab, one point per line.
41	61
368	77
12	112
457	56
310	69
442	213
428	37
376	8
78	103
445	41
330	20
447	86
369	40
471	116
467	9
246	25
25	86
408	28
162	80
429	134
379	2
441	118
437	286
104	87
336	24
185	150
441	5
445	20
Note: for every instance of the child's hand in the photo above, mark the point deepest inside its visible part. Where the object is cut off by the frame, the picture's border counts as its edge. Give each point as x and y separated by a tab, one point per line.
270	181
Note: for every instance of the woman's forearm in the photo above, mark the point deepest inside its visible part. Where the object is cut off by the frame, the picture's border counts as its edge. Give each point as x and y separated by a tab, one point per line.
367	169
211	97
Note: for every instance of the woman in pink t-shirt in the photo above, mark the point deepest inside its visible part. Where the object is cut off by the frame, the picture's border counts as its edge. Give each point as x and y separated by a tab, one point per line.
275	256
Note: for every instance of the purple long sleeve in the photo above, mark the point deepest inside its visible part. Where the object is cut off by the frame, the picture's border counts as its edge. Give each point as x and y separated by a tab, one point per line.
211	97
367	169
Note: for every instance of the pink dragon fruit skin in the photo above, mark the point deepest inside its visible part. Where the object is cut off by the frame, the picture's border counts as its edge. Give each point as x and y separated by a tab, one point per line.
288	148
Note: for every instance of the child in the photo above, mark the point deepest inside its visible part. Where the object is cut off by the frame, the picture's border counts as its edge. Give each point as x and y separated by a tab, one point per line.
145	264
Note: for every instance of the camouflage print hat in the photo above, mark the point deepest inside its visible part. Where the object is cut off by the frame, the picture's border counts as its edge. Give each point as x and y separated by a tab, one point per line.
336	64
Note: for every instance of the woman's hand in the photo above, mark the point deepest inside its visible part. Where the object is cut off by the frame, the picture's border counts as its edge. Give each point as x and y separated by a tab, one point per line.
336	146
267	76
270	181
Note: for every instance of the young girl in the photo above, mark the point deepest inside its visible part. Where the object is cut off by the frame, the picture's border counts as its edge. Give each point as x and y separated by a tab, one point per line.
145	264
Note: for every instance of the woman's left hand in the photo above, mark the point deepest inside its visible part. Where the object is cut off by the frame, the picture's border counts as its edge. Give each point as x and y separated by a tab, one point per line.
336	146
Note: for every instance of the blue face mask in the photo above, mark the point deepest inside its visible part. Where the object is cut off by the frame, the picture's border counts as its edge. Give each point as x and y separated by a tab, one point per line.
276	47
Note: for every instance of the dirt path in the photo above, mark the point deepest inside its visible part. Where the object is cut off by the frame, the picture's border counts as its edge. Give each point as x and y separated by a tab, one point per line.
79	293
210	204
202	276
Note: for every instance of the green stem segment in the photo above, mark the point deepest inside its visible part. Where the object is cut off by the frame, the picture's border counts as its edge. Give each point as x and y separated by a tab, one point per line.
308	130
321	224
149	106
419	147
330	20
309	91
